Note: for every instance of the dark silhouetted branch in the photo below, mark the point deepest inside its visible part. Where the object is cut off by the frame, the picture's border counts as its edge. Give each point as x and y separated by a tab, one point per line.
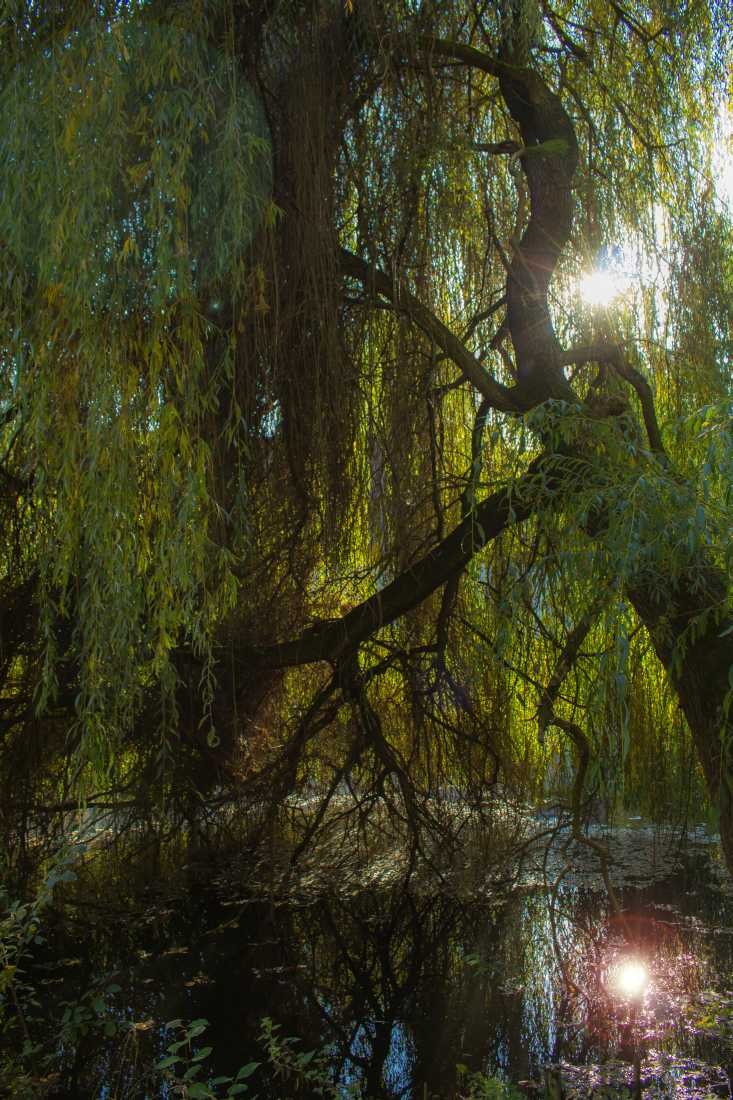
499	396
329	640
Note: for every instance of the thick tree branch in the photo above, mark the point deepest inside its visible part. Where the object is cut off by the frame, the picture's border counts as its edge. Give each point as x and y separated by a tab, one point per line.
549	158
497	148
607	352
458	51
499	396
600	352
646	400
330	640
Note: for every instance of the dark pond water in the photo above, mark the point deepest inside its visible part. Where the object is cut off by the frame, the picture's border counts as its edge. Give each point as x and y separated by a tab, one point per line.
399	984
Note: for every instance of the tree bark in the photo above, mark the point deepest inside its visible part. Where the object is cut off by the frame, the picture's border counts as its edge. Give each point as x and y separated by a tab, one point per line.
693	639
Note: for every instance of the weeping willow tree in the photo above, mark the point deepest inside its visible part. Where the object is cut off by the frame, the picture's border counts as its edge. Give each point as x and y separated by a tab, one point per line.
315	464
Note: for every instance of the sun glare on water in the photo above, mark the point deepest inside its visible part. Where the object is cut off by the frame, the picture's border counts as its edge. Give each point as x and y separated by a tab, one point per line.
630	978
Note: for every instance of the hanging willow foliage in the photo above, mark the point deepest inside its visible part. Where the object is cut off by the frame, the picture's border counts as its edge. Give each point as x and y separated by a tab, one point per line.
136	167
271	380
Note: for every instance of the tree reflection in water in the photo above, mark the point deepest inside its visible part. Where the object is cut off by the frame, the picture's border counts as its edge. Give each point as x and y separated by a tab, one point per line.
401	985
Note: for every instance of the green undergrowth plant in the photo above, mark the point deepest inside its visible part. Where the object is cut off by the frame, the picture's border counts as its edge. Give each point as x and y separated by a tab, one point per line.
294	1071
20	937
482	1086
303	1071
183	1068
42	1043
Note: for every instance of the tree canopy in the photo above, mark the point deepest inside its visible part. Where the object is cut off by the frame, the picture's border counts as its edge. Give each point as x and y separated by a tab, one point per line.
316	465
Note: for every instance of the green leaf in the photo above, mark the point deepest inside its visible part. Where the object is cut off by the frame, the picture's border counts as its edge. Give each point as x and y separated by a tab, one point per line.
201	1054
165	1063
199	1091
247	1071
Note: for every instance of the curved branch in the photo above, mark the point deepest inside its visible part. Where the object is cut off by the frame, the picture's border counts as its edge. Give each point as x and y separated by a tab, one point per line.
329	640
577	736
499	396
606	352
646	400
549	161
549	158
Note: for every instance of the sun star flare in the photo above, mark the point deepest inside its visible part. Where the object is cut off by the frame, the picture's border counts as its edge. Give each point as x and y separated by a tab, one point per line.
629	978
602	287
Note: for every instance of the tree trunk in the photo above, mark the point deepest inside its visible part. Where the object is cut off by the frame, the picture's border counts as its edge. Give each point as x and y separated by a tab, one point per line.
690	636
